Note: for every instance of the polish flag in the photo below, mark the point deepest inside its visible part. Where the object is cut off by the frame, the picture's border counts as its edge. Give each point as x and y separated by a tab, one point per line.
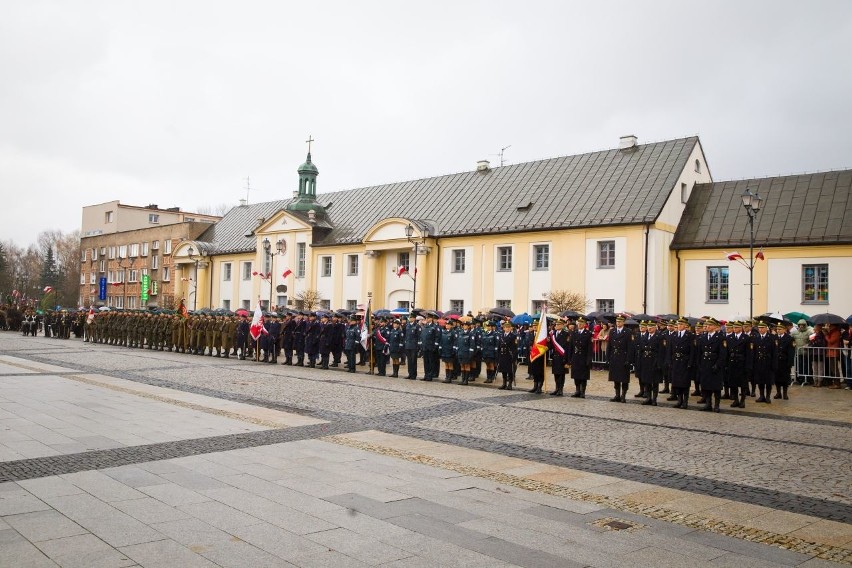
735	256
48	289
539	346
760	255
400	271
287	272
256	328
91	317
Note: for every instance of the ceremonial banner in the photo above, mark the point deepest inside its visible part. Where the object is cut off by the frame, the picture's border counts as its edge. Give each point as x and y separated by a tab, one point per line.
539	345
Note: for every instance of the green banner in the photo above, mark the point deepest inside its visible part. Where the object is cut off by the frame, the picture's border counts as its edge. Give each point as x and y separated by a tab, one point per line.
146	282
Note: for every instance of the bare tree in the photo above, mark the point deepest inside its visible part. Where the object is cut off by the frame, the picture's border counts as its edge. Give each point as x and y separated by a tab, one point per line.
561	300
218	210
308	299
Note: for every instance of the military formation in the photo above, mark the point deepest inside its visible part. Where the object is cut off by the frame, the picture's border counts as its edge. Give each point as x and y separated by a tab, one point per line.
675	357
746	359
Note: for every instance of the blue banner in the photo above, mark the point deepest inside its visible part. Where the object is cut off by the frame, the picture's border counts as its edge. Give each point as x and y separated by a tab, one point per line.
102	288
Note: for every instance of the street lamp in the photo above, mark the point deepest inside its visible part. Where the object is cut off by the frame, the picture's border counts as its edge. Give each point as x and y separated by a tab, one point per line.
409	234
752	202
280	247
191	254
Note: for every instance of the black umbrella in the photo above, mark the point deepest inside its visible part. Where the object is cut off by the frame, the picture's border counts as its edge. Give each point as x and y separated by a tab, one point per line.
571	314
772	318
668	317
828	319
646	317
608	316
381	313
453	313
504	312
631	322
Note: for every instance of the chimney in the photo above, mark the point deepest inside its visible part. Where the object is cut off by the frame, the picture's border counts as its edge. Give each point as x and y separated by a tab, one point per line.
628	141
243	203
483	166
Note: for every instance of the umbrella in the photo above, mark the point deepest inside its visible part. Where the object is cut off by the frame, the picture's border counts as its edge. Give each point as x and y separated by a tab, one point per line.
849	320
381	313
505	312
465	319
609	316
400	311
693	321
522	319
430	314
571	314
103	309
645	317
453	313
770	317
451	316
242	312
796	316
631	322
828	319
668	317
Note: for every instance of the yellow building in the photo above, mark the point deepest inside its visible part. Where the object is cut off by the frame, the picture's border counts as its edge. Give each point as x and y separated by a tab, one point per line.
599	224
802	230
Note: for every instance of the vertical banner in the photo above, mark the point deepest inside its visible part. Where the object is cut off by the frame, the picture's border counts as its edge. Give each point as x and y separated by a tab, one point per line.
102	288
146	283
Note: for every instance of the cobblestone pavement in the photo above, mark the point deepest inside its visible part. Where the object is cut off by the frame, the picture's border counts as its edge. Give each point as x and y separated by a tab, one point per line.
790	459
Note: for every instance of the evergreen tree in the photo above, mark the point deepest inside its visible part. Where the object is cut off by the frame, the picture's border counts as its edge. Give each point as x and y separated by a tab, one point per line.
49	277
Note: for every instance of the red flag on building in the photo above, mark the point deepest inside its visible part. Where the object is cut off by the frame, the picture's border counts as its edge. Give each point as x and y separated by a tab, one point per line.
734	256
400	271
287	272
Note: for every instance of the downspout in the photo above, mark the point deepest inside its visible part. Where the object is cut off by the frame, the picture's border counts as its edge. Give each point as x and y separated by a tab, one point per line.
210	275
645	284
677	302
438	274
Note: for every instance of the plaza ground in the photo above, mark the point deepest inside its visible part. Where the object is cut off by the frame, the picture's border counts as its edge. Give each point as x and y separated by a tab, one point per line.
124	457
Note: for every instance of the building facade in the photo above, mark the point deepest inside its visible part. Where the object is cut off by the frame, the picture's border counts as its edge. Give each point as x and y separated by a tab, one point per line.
600	224
115	267
803	247
114	217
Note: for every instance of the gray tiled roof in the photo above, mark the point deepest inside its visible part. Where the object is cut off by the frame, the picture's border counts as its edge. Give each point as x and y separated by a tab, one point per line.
805	209
611	187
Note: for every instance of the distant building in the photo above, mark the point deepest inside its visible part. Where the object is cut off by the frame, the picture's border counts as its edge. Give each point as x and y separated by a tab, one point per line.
124	259
113	217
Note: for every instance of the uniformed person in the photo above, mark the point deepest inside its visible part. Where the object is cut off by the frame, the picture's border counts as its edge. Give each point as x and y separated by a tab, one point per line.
352	338
764	361
560	344
430	342
786	359
490	347
507	358
412	333
712	357
465	346
650	362
621	355
581	358
447	349
739	364
681	359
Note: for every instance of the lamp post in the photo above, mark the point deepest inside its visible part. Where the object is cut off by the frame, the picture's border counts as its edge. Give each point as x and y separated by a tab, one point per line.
409	234
279	249
752	202
191	254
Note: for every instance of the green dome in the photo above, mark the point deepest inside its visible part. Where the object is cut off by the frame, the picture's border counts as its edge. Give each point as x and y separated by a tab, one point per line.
308	167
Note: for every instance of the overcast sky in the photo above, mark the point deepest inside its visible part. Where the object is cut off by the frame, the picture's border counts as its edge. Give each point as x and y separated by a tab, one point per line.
177	102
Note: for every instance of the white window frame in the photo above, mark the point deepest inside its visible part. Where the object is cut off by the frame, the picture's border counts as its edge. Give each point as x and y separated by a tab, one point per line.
227	270
153	218
326	265
718	285
167	246
607	248
145	248
246	274
504	258
301	259
818	283
352	262
541	262
166	275
459	261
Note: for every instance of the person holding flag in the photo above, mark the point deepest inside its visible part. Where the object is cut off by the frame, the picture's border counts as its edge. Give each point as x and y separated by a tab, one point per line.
580	357
256	329
538	350
560	339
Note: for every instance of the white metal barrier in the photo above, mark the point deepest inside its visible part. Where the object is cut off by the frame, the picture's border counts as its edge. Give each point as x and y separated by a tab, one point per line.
823	365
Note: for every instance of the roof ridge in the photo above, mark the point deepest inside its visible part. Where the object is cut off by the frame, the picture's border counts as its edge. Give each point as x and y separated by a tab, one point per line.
779	176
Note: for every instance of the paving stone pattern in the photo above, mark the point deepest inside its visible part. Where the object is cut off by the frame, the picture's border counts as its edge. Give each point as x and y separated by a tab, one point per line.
751	458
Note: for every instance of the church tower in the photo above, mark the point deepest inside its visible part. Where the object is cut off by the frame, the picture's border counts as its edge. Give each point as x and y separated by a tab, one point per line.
306	198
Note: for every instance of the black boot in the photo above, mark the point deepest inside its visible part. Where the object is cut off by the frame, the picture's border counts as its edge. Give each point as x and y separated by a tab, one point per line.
784	393
716	400
742	400
736	398
395	371
777	393
617	397
583	385
448	377
505	383
465	377
534	389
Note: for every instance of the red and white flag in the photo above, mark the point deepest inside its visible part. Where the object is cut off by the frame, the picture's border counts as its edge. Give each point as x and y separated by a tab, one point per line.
91	317
287	272
48	289
759	255
539	345
401	270
256	329
734	256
